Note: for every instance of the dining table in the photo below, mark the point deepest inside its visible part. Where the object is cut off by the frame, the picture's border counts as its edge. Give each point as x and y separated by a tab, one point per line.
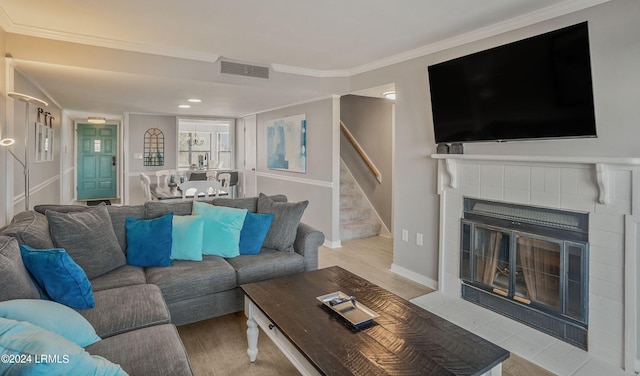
172	192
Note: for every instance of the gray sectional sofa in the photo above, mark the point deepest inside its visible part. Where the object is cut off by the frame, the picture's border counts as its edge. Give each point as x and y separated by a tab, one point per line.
137	308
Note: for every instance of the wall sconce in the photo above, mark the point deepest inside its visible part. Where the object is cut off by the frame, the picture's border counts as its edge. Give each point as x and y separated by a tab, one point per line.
96	120
8	142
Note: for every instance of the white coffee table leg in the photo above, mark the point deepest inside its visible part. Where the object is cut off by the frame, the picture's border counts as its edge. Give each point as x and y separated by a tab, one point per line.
252	334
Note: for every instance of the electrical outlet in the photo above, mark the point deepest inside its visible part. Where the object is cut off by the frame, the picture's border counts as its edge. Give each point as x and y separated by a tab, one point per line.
137	155
405	235
419	239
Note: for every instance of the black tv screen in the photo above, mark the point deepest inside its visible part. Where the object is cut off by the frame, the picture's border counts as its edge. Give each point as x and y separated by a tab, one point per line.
539	87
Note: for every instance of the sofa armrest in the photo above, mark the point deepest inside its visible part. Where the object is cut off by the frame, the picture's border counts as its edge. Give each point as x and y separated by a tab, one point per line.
307	242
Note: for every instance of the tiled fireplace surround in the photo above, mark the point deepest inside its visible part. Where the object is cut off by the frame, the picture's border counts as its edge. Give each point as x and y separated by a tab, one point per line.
606	188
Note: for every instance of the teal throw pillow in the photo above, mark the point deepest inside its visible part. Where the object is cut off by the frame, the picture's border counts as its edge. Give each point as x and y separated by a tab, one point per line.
48	352
53	317
254	231
149	241
59	276
222	226
187	237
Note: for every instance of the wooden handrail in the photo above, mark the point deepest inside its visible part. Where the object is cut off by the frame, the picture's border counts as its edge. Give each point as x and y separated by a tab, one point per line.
362	153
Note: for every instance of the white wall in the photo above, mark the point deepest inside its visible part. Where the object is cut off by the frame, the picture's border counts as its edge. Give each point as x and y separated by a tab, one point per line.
320	183
44	179
615	54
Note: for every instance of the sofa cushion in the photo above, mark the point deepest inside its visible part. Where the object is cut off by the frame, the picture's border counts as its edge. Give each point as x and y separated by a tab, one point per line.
188	279
186	237
267	264
222	226
52	316
15	282
149	241
155	350
58	276
126	275
89	239
249	203
30	228
155	209
254	231
117	214
126	308
33	342
284	226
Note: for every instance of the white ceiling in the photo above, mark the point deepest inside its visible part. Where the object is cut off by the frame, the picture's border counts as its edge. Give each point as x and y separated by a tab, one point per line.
302	41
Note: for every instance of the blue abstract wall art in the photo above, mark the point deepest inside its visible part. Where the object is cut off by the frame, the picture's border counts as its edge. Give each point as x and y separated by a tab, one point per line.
287	144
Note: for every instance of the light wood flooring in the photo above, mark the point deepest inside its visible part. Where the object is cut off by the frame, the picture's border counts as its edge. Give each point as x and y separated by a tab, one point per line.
371	259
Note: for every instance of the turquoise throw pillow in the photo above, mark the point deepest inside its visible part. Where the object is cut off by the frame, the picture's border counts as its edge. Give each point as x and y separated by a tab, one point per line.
45	353
222	226
53	317
149	241
187	237
254	231
59	276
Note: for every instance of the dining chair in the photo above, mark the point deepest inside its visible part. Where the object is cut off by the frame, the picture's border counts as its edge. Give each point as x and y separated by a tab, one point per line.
212	175
224	178
163	176
200	189
145	182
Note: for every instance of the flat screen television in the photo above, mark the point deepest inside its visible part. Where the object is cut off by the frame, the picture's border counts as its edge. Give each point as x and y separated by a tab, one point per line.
539	87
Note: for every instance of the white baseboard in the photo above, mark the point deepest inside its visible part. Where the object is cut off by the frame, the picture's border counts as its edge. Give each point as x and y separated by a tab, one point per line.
330	244
414	276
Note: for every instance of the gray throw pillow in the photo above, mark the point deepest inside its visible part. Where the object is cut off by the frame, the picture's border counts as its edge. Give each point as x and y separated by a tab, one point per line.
156	209
89	239
284	226
249	203
15	282
29	228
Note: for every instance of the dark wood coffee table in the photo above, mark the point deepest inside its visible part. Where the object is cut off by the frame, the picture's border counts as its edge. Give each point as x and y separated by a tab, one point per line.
404	340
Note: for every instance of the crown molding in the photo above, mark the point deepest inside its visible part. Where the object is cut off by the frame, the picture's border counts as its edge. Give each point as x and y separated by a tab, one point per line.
544	14
541	15
310	72
9	26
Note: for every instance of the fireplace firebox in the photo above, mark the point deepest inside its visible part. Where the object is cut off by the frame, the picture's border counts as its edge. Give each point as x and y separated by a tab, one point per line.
528	263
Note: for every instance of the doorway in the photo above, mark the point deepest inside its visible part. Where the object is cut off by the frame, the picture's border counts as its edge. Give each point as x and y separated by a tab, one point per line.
97	146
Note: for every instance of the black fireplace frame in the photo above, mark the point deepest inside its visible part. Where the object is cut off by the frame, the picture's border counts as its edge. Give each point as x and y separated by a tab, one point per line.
568	228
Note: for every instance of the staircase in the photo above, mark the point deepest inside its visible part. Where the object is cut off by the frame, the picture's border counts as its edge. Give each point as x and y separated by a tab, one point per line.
357	217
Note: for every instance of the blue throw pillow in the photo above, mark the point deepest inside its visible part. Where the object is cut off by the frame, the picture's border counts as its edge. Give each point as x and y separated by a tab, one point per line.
59	276
149	241
49	353
187	237
53	317
254	231
222	226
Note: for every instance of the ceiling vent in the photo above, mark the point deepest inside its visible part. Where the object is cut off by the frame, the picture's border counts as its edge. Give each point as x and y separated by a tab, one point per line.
239	69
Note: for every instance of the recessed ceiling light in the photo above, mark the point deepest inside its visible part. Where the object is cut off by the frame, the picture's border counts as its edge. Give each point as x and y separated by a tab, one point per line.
184	106
194	100
389	94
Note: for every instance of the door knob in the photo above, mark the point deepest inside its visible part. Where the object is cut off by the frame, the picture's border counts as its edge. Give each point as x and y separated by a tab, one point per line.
113	160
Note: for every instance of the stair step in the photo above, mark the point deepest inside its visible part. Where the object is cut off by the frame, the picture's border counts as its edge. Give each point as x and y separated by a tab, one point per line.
348	215
359	230
351	200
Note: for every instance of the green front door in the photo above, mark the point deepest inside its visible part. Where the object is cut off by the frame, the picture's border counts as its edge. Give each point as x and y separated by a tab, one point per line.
97	151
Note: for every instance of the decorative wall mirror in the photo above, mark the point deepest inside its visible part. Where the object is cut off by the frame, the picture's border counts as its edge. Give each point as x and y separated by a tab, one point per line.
153	147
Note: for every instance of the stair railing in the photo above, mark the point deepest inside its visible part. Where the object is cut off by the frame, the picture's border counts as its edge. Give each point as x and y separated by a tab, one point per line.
361	152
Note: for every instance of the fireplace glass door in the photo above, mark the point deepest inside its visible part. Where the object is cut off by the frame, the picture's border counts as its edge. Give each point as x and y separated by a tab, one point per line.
538	271
534	270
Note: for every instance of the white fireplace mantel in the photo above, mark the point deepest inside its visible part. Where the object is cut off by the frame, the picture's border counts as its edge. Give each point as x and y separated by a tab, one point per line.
605	187
600	164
